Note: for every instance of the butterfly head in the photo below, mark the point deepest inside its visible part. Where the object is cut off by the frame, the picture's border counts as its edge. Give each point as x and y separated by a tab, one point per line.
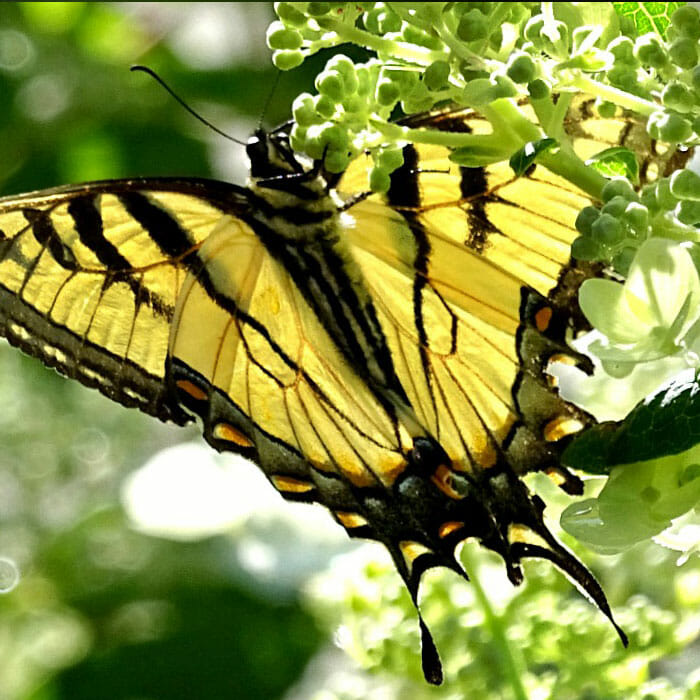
271	156
276	168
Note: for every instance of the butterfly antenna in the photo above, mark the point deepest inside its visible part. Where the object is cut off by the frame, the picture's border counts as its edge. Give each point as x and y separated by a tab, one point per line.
268	101
182	103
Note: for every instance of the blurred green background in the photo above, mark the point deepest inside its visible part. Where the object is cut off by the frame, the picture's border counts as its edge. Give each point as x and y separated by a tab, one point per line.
103	610
151	568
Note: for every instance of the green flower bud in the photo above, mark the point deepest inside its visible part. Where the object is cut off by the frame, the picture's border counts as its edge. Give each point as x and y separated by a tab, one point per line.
648	198
304	110
436	75
280	37
669	126
472	26
505	87
290	15
354	104
649	51
607	230
688	212
387	92
390	159
623	260
413	35
388	21
677	96
286	60
318	9
322	139
533	29
335	137
346	68
585	248
636	216
664	197
686	21
521	68
414	105
336	161
297	138
622	48
685	184
379	180
605	109
695	78
538	89
624	77
325	106
615	206
364	81
330	84
585	220
684	52
618	187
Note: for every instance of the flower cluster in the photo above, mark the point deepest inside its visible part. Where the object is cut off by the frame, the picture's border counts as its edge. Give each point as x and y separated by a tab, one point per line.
473	54
519	66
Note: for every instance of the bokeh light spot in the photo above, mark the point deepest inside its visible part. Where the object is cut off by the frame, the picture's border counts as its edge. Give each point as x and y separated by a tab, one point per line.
16	50
9	575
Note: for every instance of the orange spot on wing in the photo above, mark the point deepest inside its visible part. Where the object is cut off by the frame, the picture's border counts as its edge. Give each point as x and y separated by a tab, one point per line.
560	427
350	520
192	389
411	550
442	478
449	527
542	318
291	485
225	431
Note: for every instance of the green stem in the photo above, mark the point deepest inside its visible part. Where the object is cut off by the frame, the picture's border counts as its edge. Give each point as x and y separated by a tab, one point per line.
397	49
512	664
569	166
555	125
511	131
614	95
449	139
508	122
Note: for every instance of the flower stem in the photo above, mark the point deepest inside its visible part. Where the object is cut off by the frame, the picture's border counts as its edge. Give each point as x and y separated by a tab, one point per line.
397	49
614	95
512	664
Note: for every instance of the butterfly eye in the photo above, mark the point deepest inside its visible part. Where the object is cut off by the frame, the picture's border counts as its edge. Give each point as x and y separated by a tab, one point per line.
256	148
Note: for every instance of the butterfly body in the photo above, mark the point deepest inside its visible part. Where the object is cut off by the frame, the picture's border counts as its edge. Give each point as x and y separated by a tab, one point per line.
385	356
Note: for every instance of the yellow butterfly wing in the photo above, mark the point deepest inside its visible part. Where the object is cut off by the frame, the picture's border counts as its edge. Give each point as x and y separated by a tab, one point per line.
387	359
89	278
116	283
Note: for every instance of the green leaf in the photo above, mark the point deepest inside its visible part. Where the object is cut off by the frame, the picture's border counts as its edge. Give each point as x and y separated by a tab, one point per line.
524	157
648	16
665	423
616	161
590	451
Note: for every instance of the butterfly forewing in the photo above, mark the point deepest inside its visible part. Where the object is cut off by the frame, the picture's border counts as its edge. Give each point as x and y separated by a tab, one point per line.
243	326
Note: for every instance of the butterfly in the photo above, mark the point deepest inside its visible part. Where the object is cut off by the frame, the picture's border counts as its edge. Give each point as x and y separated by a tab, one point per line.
383	355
